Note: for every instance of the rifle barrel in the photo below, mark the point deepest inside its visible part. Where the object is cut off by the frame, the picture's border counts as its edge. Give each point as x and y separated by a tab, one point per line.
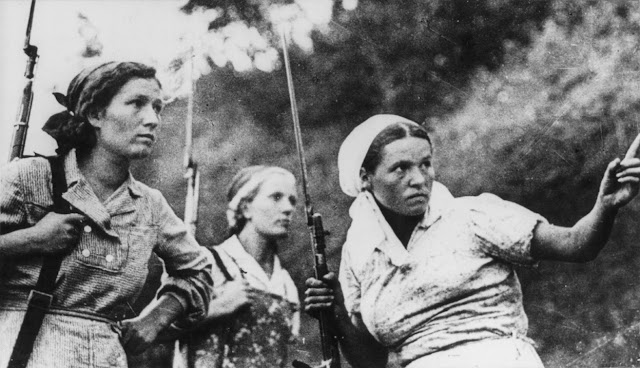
21	125
296	129
191	167
329	345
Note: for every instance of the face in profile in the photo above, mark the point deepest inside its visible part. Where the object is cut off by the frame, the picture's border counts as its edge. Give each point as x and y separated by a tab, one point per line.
271	210
403	180
128	125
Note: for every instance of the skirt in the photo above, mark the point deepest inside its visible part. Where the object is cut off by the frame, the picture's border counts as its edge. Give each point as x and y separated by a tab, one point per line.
64	342
498	353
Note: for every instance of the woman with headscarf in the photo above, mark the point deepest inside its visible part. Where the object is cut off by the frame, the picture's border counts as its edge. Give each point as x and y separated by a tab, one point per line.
254	314
111	118
430	277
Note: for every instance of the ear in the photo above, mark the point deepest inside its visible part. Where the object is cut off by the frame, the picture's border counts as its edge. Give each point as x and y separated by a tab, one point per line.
366	179
245	210
96	120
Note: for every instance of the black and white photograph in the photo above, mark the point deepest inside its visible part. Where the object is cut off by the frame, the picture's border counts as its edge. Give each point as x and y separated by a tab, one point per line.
319	183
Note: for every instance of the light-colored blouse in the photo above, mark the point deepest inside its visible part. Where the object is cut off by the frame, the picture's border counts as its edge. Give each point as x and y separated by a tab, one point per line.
453	284
241	265
259	336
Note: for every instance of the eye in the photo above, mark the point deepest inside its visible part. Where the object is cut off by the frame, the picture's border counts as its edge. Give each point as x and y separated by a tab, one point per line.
138	102
293	200
157	107
400	168
276	196
426	164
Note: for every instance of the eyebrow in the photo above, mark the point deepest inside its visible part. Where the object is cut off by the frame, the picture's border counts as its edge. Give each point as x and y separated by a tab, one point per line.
143	96
403	161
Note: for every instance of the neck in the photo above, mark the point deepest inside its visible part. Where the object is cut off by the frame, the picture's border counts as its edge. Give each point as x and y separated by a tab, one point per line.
262	249
402	225
104	172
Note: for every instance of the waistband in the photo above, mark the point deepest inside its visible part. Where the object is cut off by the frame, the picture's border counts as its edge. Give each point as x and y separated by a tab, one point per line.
66	312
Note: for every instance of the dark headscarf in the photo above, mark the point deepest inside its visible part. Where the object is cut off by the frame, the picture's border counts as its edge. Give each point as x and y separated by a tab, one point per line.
89	93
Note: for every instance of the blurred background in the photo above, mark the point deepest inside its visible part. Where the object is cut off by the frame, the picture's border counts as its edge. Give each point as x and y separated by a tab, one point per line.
528	100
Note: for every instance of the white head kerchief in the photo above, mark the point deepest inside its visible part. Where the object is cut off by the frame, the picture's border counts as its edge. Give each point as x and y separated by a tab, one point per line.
355	147
254	182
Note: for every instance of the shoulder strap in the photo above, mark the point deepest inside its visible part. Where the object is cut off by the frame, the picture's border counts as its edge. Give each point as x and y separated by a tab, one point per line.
59	184
41	296
220	264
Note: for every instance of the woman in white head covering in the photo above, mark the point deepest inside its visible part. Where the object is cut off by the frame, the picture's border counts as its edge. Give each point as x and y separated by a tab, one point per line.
431	278
254	315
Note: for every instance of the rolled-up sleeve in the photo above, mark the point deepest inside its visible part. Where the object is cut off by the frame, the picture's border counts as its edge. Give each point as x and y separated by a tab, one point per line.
187	265
349	284
504	229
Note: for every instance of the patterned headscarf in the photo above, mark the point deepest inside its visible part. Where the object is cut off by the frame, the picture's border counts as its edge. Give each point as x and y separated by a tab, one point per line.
355	148
91	88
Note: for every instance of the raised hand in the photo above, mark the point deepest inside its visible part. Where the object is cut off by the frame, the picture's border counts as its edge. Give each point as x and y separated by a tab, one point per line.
231	296
622	178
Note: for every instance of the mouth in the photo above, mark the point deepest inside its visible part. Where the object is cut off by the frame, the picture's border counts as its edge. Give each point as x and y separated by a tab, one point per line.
424	196
283	222
146	137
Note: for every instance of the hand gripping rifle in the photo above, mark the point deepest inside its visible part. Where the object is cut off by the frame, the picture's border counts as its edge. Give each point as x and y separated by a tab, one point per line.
24	111
330	351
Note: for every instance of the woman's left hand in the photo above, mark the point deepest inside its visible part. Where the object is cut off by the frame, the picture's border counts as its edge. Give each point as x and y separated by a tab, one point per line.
621	179
138	334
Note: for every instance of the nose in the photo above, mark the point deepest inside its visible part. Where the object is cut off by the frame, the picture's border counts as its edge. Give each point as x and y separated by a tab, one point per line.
150	117
287	207
417	177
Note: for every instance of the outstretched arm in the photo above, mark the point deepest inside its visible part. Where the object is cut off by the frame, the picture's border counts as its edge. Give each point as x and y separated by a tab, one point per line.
358	346
587	237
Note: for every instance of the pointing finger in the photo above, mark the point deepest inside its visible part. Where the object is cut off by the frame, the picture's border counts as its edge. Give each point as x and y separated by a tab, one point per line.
633	149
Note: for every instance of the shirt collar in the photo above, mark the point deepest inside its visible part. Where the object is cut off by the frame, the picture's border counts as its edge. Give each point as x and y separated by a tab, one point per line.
440	200
247	263
81	196
74	175
369	230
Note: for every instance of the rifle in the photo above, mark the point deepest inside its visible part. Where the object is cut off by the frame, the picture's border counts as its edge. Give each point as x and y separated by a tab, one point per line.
24	110
193	192
329	342
191	167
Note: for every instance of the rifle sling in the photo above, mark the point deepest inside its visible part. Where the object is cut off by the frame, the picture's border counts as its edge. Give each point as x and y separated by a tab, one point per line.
41	296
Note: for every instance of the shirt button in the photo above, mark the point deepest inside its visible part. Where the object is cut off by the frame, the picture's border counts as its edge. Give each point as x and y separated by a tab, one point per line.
86	253
87	229
109	258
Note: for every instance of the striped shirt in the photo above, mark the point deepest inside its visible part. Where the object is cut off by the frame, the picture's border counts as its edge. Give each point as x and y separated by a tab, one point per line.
104	274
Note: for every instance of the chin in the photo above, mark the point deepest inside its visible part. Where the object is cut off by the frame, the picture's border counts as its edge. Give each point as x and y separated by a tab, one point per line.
415	211
283	234
140	154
